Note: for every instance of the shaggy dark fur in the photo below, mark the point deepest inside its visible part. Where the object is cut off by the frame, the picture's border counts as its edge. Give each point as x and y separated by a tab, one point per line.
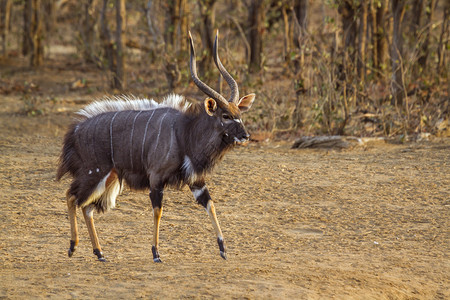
147	149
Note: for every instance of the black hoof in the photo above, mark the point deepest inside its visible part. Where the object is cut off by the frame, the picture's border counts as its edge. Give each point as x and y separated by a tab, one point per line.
222	248
156	258
72	248
99	255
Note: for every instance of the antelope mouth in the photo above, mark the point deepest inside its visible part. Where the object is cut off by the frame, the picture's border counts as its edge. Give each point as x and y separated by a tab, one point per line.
243	141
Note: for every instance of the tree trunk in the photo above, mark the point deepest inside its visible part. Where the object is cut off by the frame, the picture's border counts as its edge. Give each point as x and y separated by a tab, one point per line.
300	13
5	17
50	15
361	66
105	37
381	36
443	40
287	38
36	34
398	8
184	25
119	81
415	17
379	45
256	26
348	13
424	49
88	31
26	37
207	16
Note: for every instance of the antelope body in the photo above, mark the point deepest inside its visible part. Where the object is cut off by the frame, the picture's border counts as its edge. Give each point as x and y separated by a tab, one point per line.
149	146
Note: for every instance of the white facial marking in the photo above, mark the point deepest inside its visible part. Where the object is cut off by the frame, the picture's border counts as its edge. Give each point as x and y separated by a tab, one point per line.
236	140
90	172
238	120
97	170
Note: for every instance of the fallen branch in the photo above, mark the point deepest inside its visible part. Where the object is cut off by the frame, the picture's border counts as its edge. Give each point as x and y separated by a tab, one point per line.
334	141
321	142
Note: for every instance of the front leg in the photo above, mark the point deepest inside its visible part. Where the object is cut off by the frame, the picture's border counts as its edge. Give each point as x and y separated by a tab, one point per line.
156	196
201	194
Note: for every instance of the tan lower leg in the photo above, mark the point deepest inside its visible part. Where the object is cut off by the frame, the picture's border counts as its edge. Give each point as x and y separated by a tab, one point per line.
72	209
89	219
212	214
157	213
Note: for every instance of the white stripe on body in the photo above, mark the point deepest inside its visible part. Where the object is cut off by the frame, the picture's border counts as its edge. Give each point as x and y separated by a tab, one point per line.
111	137
145	136
131	139
159	131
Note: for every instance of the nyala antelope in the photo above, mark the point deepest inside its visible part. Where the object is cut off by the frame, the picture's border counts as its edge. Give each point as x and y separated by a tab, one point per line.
150	146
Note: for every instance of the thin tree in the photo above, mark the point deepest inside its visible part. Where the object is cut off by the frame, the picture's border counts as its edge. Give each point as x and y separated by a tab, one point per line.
379	10
398	9
207	9
347	10
443	40
33	32
5	17
119	81
361	65
26	32
428	30
256	25
87	30
300	25
115	50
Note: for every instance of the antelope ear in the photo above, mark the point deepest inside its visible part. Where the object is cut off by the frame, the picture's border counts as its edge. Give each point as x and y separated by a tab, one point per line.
210	106
246	102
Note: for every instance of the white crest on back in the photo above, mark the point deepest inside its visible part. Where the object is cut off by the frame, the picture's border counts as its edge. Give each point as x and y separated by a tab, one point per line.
176	101
130	102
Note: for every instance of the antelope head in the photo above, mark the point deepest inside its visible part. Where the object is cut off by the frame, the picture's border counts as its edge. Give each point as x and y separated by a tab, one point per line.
227	113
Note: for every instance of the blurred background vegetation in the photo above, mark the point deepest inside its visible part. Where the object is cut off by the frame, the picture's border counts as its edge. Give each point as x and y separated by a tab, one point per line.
347	67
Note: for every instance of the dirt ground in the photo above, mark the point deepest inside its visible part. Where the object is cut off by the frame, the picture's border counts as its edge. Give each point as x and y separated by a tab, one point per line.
370	222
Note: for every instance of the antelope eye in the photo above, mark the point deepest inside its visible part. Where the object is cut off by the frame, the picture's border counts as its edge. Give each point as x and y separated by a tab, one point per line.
226	117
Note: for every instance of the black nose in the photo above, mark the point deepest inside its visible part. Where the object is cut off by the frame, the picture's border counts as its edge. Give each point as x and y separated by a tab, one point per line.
247	136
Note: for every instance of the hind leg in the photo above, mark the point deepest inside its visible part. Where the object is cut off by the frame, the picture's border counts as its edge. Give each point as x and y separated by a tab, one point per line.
72	209
88	213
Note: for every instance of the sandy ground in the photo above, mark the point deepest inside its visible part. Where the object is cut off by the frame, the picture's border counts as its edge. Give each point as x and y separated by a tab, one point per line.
371	222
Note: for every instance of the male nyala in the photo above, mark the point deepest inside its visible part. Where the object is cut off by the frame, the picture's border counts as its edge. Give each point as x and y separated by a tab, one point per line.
150	146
